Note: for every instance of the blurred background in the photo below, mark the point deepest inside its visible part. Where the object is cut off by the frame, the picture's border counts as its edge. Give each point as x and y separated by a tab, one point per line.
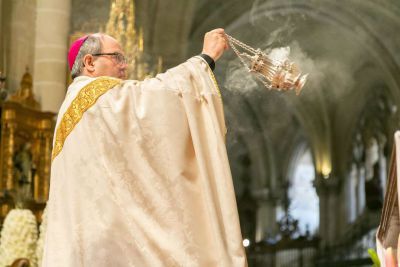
309	171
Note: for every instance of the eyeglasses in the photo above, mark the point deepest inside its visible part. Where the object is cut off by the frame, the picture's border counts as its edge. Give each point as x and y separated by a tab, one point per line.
121	59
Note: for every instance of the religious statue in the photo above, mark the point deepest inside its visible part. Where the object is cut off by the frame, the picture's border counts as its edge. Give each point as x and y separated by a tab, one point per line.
24	172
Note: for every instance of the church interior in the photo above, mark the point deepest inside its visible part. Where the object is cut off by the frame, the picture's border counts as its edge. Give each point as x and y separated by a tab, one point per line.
309	170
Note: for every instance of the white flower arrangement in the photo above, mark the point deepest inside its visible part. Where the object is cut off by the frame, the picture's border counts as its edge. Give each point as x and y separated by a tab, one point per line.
40	242
18	237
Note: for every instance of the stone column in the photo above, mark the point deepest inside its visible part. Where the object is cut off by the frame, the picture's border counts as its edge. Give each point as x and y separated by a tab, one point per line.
330	209
50	71
266	224
19	30
351	194
361	198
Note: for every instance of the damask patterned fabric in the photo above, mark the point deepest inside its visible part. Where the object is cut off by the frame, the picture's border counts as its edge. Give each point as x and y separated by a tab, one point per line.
141	176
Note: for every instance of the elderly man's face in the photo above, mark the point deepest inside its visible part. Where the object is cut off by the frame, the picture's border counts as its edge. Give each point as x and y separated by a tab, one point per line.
110	65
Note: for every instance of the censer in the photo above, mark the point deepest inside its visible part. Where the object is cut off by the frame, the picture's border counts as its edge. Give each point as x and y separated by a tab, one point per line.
273	73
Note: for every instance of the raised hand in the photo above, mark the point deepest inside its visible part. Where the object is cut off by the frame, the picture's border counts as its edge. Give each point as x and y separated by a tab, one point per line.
215	43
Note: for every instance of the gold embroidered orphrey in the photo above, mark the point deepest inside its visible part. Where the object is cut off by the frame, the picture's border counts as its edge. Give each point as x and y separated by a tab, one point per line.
86	98
211	74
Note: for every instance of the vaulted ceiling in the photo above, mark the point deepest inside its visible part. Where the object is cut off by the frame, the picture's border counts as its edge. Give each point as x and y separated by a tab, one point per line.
349	50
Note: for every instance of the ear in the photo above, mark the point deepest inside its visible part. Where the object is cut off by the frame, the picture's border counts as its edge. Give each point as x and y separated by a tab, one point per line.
88	63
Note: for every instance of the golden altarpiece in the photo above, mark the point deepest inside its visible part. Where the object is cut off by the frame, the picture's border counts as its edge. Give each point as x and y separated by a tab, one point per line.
25	151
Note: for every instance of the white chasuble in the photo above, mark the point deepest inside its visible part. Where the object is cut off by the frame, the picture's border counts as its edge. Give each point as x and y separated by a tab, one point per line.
140	175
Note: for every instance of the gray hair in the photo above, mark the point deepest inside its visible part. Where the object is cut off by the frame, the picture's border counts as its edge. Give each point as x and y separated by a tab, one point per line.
92	45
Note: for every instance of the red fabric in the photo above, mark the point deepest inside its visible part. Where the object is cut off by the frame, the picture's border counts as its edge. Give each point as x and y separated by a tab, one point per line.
74	50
